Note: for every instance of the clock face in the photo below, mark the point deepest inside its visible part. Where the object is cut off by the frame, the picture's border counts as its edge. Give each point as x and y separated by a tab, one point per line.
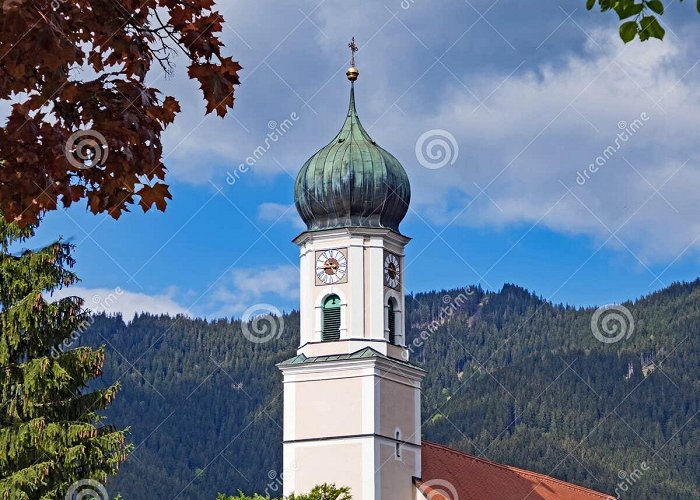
331	267
392	270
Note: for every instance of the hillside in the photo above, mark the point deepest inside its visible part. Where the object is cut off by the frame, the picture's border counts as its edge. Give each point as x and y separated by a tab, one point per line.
510	376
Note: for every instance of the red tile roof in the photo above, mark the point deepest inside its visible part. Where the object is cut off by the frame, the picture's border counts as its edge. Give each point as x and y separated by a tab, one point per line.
452	475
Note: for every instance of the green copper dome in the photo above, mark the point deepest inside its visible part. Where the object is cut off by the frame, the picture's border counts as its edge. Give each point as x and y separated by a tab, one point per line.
352	182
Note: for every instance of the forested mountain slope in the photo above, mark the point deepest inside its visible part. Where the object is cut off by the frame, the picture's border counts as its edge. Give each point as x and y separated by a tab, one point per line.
510	377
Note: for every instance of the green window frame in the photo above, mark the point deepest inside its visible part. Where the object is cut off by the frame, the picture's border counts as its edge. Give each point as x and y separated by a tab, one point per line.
330	319
391	321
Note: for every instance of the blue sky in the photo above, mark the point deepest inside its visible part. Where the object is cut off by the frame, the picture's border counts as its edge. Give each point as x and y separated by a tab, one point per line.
527	97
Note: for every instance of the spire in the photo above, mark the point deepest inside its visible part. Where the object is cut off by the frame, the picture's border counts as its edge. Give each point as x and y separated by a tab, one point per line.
352	111
352	129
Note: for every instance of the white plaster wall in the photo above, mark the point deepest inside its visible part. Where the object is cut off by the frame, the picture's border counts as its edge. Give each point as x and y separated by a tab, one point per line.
364	296
340	419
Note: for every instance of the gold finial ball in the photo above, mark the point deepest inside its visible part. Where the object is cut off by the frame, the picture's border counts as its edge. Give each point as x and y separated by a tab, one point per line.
352	73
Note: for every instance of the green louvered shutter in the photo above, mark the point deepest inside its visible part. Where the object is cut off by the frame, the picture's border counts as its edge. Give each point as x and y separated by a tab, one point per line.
392	323
331	319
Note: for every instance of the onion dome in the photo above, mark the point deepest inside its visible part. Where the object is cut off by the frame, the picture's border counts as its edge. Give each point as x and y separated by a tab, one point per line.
352	182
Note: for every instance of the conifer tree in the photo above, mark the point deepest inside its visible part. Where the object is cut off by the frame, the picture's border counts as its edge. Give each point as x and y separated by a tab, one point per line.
52	434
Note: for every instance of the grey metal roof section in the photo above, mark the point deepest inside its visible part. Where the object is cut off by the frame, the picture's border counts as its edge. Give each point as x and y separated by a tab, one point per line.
365	353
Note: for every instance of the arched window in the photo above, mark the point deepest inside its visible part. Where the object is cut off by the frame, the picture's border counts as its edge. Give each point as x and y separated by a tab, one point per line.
331	318
391	320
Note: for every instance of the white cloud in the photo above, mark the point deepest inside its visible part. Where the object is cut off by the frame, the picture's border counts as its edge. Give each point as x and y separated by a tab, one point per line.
546	114
128	303
538	130
277	212
243	288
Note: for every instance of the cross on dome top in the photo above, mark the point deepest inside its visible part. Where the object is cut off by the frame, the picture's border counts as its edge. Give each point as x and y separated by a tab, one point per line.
353	48
352	72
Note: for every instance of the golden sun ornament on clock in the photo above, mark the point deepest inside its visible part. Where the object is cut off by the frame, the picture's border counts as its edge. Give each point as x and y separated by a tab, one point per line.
392	270
331	266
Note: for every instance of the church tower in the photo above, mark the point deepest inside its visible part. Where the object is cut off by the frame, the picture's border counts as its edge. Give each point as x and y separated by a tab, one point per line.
351	399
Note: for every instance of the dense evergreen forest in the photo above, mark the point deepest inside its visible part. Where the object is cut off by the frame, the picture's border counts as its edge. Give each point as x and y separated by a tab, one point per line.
511	377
